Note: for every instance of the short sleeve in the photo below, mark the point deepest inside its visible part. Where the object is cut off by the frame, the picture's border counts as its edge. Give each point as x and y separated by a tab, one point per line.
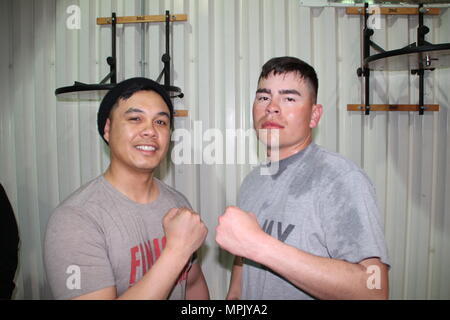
351	220
75	255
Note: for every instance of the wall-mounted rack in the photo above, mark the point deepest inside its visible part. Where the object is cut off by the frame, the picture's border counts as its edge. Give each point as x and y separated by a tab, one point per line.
112	60
417	57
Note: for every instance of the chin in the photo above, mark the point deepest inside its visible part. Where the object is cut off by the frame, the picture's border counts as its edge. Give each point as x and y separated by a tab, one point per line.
146	169
267	139
147	166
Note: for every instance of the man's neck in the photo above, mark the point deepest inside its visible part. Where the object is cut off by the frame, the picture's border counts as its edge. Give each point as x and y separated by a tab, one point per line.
278	154
137	186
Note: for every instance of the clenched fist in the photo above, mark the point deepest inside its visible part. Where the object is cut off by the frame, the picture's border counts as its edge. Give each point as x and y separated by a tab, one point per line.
184	230
238	232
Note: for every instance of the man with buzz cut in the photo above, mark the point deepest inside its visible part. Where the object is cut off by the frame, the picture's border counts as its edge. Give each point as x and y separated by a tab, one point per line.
126	234
312	229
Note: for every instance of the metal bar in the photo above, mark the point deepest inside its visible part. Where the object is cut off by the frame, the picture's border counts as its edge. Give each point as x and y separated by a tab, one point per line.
366	53
421	31
108	76
166	59
420	34
113	49
421	91
143	27
376	46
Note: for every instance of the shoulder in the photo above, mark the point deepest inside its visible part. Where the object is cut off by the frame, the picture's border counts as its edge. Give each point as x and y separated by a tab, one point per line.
173	194
340	182
87	194
333	161
76	207
254	177
76	222
331	167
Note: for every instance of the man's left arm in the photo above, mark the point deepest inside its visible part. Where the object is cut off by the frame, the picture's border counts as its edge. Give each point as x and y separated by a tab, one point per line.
196	287
324	278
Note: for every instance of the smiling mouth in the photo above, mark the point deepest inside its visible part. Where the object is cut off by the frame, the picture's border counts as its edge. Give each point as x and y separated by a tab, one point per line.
146	148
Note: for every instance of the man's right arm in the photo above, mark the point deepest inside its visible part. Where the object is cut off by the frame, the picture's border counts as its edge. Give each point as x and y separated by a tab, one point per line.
234	291
185	233
156	284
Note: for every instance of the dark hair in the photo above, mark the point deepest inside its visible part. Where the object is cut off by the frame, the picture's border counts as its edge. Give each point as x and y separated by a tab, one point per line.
282	65
124	90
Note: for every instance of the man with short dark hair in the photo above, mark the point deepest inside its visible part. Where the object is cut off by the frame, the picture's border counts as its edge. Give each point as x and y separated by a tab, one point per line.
311	229
126	234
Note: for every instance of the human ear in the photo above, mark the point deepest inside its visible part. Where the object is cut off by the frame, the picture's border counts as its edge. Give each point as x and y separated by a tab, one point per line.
107	129
316	114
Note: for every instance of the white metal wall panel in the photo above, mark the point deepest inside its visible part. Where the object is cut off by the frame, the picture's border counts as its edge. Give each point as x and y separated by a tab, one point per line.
49	147
439	260
397	172
7	135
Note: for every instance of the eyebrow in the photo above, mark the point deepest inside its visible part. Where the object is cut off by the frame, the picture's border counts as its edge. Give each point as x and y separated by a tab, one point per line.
163	113
263	90
132	110
136	110
289	91
284	91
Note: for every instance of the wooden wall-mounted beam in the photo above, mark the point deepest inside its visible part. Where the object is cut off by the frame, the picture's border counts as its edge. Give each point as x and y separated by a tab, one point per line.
181	113
142	19
392	10
392	107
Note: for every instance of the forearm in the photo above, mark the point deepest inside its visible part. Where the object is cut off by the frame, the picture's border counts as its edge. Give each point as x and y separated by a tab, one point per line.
197	291
234	291
196	287
157	283
323	278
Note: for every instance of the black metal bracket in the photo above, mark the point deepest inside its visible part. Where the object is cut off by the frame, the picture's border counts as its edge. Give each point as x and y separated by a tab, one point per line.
112	62
112	75
421	32
364	70
166	60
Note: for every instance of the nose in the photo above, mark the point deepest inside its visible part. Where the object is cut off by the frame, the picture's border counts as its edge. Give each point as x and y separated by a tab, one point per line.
148	130
273	107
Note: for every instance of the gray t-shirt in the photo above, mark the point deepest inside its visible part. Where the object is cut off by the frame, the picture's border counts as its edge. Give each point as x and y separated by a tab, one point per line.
318	202
99	238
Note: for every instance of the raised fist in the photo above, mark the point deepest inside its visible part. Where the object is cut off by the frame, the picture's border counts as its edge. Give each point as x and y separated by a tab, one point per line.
238	231
184	230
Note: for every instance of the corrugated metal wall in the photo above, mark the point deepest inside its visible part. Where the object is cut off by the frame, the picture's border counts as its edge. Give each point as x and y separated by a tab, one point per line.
48	148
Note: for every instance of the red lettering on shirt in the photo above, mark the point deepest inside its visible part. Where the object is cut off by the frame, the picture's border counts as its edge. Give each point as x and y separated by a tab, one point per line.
145	254
134	264
157	250
144	263
148	253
